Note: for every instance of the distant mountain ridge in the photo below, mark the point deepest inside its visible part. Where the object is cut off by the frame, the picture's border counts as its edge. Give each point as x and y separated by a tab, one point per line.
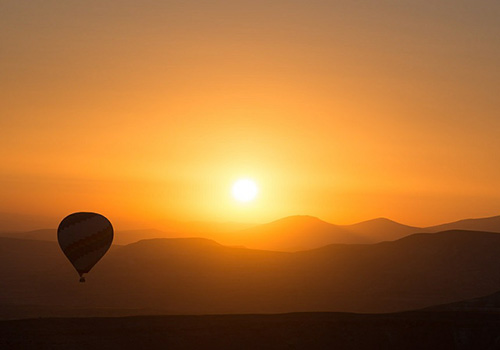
293	233
490	224
382	229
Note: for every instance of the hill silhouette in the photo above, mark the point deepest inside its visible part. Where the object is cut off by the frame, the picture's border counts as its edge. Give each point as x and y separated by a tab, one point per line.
488	303
293	233
120	237
193	276
303	232
39	235
490	224
382	229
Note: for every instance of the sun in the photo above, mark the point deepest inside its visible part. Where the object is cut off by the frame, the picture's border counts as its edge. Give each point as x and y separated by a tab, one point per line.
245	190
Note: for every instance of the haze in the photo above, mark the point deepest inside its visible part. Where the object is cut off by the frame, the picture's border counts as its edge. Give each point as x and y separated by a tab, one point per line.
148	111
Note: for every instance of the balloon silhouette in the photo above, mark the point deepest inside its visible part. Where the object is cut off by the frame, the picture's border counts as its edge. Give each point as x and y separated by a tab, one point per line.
84	238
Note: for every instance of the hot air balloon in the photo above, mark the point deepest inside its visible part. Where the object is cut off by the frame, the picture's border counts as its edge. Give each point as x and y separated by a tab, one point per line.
84	238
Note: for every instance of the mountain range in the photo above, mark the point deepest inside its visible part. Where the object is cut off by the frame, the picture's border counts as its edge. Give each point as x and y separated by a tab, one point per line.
292	233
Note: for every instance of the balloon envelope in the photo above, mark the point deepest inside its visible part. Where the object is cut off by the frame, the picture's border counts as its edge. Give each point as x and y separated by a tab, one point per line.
84	238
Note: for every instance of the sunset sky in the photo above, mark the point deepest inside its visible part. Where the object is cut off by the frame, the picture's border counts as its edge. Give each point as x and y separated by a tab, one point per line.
149	111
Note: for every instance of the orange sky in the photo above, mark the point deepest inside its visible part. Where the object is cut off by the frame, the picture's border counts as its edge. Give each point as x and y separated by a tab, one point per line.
148	111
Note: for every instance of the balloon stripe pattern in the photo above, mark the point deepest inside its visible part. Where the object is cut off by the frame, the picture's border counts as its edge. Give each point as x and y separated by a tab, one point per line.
85	238
92	245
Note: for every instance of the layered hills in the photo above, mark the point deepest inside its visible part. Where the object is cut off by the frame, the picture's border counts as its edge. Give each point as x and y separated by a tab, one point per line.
292	233
200	276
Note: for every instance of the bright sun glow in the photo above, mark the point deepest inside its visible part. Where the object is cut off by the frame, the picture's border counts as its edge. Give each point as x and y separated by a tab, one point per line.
244	190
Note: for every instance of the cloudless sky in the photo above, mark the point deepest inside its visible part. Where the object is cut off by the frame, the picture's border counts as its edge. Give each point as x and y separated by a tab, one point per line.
148	111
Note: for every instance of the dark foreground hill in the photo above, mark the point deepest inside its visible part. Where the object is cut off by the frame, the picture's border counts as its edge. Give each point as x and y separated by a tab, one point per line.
412	330
489	303
199	276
